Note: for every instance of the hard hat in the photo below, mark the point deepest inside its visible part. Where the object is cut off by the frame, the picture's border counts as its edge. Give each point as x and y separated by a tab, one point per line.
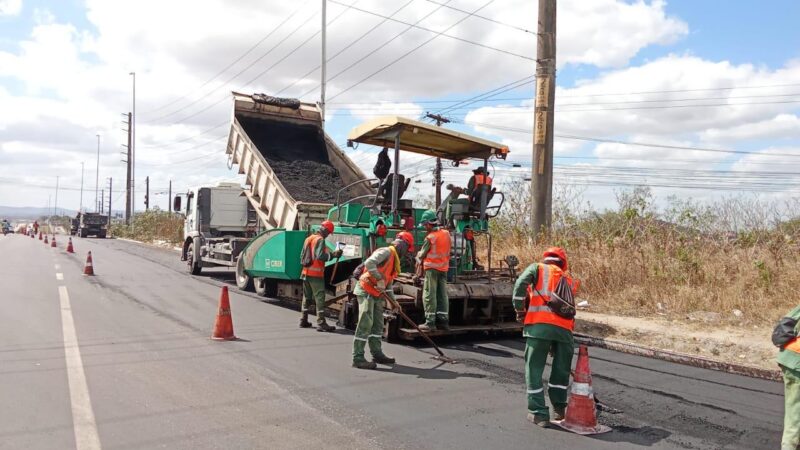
327	225
480	169
429	216
408	238
555	253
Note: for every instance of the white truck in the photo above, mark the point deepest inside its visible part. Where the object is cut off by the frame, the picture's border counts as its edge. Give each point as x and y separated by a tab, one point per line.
218	224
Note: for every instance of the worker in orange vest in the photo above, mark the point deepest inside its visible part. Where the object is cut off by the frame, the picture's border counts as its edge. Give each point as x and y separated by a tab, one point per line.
785	337
378	274
313	257
548	328
435	260
479	182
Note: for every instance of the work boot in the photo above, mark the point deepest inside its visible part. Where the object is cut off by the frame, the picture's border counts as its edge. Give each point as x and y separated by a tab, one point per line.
380	358
541	421
559	412
324	327
443	325
304	323
425	328
369	365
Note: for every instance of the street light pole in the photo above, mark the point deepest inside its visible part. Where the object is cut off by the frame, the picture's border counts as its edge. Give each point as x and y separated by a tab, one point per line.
80	208
97	177
55	207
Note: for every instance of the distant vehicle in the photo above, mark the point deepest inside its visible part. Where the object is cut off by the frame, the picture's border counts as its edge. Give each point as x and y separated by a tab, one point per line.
6	227
90	224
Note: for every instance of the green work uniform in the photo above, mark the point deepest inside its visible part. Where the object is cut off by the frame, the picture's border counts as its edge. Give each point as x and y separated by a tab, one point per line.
540	339
314	287
434	293
789	362
369	329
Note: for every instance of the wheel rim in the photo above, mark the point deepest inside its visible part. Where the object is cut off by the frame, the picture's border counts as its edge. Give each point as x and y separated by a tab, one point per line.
190	258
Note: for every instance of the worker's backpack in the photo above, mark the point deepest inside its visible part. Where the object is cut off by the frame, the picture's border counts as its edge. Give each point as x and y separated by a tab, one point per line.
358	271
306	256
382	165
784	332
562	299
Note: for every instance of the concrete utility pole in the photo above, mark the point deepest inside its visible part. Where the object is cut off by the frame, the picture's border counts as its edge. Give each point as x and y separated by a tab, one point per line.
437	171
55	207
323	65
128	192
169	197
80	208
147	193
97	177
110	191
544	119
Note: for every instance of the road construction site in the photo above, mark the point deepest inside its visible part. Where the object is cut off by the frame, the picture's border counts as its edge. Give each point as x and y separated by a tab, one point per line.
155	379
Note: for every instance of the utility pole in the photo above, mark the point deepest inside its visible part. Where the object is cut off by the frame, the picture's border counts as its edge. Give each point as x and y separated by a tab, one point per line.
544	119
127	160
437	171
169	197
55	207
102	204
147	193
97	176
132	144
80	208
323	64
110	190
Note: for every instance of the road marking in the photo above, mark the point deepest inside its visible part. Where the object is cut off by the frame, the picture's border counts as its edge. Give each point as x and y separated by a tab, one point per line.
86	436
58	266
59	276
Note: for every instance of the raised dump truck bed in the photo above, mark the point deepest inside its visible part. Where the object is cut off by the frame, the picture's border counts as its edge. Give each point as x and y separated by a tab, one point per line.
293	170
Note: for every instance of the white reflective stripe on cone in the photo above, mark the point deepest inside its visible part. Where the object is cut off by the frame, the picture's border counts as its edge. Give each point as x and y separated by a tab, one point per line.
584	389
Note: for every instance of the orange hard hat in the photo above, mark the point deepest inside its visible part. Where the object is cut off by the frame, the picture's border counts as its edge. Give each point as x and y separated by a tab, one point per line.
327	225
556	253
408	238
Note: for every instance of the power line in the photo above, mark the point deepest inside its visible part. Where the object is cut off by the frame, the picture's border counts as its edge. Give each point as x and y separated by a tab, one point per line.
763	86
396	60
219	125
488	19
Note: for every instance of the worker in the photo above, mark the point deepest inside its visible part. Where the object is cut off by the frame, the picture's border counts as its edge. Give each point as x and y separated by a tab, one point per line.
479	182
434	258
313	257
546	330
36	227
379	272
785	337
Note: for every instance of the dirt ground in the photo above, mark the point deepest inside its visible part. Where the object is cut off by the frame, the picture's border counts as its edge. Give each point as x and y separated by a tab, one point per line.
736	343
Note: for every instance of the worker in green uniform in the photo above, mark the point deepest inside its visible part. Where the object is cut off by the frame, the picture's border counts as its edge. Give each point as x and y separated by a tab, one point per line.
785	337
434	259
375	281
313	258
545	331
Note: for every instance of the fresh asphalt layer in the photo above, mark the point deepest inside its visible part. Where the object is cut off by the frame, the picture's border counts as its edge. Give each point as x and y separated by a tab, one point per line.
153	378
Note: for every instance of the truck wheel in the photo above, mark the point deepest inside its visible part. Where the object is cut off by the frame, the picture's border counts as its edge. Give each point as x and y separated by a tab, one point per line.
243	280
194	266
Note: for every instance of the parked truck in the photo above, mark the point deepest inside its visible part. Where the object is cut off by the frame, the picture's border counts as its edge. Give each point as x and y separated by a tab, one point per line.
90	224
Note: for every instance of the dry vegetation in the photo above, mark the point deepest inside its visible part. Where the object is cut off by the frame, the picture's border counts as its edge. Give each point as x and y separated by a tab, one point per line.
153	226
735	260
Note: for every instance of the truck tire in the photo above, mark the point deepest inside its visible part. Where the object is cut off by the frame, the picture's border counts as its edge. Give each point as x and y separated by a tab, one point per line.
243	280
265	287
192	263
83	233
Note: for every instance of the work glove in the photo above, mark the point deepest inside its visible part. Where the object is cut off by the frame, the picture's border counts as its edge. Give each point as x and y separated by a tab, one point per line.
337	253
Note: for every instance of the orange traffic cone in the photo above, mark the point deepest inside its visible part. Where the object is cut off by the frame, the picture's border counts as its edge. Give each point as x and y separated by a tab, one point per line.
223	326
70	249
40	235
45	239
88	269
581	415
53	241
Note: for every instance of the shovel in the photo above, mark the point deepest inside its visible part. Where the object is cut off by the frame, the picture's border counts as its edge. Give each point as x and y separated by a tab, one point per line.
441	356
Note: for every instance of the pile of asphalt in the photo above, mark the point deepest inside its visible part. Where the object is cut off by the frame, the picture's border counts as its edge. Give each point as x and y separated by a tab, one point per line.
308	181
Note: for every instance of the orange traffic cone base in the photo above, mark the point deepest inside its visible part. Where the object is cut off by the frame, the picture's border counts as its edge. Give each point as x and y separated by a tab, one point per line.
581	416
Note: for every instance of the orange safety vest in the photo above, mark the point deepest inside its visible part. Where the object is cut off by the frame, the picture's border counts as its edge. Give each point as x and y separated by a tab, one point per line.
538	311
317	267
390	269
481	179
793	345
438	257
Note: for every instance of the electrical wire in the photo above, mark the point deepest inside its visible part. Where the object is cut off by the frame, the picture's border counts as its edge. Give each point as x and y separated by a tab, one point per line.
487	19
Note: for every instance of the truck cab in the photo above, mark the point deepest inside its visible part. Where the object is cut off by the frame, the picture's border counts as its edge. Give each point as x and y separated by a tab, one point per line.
218	222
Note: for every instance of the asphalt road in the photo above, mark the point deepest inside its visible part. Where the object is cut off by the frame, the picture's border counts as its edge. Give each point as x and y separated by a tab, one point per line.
141	372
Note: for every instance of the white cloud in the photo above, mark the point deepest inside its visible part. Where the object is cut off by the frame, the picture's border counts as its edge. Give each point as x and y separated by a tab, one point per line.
778	127
10	7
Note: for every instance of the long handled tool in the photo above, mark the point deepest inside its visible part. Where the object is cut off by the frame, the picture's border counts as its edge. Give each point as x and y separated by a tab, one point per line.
396	306
336	264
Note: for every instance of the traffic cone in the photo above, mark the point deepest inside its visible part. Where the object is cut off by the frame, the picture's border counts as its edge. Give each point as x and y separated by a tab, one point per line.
581	417
70	249
53	241
45	239
223	326
40	235
88	269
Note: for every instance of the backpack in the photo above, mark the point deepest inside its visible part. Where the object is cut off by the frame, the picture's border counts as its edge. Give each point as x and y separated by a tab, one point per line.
562	299
358	271
784	332
306	256
383	165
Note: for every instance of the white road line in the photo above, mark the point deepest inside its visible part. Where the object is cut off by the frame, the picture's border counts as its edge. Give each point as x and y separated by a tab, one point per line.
86	436
59	276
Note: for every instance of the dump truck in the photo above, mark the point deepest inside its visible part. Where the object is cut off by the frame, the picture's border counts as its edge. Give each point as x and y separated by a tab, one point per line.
89	224
296	176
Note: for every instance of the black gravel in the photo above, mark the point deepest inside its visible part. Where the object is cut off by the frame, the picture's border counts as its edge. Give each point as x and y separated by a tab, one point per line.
298	156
